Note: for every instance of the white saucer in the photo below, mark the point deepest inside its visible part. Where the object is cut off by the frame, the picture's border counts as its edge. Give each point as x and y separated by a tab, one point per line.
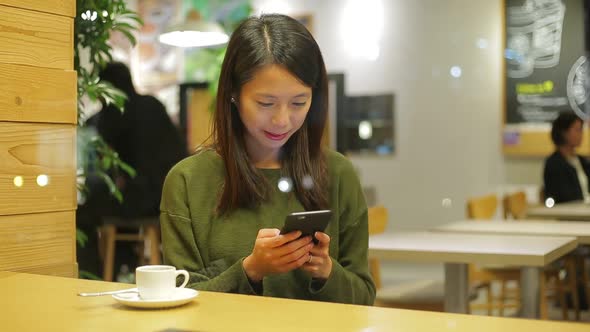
180	297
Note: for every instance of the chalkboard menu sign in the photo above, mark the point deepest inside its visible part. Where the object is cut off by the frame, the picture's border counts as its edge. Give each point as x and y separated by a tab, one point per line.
546	70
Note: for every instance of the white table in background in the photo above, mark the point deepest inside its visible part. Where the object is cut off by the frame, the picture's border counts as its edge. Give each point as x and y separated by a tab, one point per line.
578	229
564	211
456	250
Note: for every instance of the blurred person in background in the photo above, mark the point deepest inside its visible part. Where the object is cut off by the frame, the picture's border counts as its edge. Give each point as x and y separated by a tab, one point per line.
566	177
145	138
566	173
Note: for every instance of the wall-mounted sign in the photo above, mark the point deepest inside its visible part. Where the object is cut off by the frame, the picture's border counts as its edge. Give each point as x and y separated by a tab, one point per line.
546	70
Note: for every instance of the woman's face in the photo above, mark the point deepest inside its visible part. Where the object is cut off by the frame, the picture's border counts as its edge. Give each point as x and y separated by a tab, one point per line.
573	135
272	105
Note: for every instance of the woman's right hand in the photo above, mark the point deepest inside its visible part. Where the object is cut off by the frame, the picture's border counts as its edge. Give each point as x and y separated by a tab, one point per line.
276	253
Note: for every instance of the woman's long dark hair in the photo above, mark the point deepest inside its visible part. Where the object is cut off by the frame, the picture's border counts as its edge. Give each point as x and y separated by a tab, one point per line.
259	41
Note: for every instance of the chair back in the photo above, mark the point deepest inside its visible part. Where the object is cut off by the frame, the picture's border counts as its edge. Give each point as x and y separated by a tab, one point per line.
377	219
483	207
515	205
377	223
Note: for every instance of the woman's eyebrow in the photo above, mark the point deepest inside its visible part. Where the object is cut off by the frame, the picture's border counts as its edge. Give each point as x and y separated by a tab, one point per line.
265	95
268	95
304	94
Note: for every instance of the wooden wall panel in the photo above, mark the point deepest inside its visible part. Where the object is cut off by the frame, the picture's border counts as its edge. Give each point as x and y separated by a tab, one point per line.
33	94
38	137
29	150
36	39
60	7
30	242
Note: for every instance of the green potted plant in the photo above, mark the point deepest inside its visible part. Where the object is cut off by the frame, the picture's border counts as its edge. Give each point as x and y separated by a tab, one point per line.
94	23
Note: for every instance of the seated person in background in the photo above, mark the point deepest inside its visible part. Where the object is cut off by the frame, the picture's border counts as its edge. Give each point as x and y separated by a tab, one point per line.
566	173
146	139
221	209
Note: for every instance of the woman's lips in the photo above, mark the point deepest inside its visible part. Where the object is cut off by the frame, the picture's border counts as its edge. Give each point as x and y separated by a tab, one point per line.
275	137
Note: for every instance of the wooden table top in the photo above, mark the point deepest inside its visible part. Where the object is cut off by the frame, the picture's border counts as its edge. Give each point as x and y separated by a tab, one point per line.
43	303
564	211
442	247
578	229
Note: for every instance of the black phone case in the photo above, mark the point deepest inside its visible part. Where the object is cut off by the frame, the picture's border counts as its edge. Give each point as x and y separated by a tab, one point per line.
308	223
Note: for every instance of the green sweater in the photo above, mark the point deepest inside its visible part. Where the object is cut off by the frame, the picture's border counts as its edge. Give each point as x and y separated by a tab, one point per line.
212	248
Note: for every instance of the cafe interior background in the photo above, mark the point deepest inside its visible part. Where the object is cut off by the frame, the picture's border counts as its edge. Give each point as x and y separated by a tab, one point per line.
420	93
422	111
435	66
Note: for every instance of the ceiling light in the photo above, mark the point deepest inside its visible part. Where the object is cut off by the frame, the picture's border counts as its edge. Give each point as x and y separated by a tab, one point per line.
194	32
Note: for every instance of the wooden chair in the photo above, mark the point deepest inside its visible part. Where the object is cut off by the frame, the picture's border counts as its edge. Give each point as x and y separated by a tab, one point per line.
515	206
581	263
146	232
377	224
485	207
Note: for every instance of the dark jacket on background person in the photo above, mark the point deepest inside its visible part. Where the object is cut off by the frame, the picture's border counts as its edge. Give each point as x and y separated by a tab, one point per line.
146	139
561	180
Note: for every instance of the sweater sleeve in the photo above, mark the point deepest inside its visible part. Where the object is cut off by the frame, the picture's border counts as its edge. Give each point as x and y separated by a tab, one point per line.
181	250
350	280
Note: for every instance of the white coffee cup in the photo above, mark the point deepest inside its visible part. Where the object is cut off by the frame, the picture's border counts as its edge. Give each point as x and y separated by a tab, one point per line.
157	282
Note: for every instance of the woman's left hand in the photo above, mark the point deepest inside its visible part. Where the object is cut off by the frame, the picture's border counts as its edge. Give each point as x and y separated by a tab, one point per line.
319	265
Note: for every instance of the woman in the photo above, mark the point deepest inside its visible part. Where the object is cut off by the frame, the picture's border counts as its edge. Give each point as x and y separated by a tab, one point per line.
566	173
221	209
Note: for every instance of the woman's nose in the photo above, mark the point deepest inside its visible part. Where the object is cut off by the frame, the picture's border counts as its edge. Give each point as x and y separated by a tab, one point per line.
281	117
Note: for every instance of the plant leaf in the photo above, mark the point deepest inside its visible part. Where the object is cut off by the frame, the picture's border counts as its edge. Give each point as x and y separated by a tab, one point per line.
81	238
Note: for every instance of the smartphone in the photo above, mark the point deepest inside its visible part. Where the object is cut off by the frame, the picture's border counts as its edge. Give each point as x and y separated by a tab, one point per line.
308	222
